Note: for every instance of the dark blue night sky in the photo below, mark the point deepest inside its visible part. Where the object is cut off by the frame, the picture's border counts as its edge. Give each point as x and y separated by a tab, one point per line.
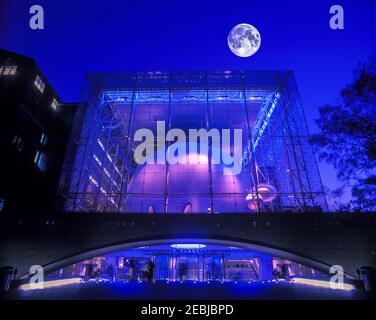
86	35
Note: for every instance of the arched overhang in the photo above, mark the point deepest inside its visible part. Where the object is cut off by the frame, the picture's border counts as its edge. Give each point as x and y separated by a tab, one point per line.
213	240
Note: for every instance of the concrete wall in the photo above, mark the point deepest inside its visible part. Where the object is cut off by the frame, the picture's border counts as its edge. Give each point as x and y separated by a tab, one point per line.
344	239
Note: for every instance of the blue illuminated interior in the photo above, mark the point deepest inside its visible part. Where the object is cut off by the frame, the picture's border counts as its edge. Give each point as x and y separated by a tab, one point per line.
181	262
278	168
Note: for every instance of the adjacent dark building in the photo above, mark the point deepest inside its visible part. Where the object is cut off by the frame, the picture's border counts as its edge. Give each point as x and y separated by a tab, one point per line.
34	129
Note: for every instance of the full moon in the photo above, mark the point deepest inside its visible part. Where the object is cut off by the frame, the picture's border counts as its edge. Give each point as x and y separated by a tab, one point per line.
244	40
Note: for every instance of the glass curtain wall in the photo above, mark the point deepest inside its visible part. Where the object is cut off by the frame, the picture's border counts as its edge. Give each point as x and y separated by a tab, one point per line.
278	170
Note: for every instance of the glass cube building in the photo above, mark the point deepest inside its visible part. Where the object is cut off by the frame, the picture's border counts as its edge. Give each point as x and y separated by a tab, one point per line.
278	170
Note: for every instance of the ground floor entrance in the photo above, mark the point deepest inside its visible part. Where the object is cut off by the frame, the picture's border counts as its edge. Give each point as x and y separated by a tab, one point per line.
216	266
181	262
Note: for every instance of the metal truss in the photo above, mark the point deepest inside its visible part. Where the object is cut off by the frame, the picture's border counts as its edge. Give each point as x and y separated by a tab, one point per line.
100	167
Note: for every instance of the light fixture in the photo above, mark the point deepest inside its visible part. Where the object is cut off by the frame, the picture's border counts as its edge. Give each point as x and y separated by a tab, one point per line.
324	284
151	98
189	98
188	246
50	284
223	98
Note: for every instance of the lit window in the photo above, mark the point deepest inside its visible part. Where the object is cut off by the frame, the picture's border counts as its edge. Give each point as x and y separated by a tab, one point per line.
43	139
18	142
40	160
36	158
39	84
54	104
2	204
8	70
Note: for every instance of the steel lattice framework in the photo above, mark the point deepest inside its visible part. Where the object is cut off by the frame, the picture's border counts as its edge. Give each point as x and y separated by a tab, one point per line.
279	169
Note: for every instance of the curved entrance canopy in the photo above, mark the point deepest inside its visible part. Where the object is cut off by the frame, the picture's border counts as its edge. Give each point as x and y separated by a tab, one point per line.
160	241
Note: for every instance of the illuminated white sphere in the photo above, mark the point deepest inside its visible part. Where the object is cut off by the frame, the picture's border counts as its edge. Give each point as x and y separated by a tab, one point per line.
244	40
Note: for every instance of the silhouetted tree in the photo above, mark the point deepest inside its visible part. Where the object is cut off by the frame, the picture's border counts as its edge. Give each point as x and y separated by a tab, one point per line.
348	137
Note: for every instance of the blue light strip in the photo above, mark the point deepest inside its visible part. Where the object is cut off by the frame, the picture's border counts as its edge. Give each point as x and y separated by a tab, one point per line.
188	246
264	118
188	96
